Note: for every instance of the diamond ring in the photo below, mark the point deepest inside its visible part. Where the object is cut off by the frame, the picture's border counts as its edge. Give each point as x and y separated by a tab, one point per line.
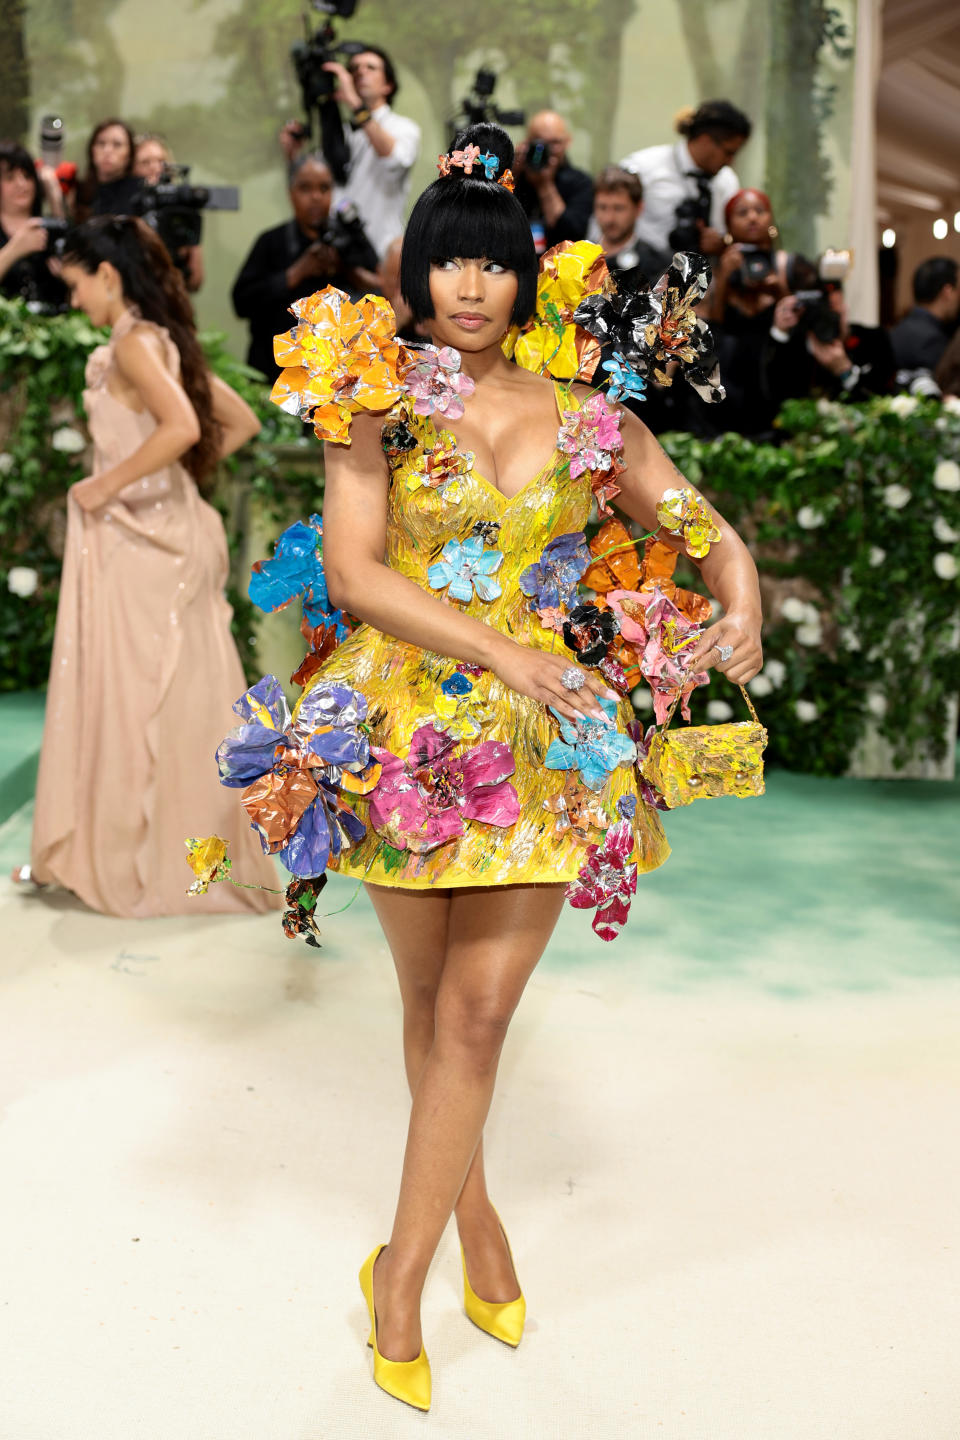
573	678
724	651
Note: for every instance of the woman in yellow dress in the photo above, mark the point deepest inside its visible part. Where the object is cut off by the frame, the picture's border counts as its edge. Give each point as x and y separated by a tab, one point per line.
455	547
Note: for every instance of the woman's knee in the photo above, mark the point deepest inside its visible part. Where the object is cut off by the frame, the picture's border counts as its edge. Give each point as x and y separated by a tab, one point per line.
473	1026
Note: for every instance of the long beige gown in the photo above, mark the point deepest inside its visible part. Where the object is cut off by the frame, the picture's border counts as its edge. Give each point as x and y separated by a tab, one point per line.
143	677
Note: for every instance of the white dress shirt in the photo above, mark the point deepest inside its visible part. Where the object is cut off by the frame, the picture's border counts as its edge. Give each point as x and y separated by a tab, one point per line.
664	174
378	184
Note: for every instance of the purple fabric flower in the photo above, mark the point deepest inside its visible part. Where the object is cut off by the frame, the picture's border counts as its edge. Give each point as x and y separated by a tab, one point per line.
648	795
422	802
552	581
293	773
606	881
436	382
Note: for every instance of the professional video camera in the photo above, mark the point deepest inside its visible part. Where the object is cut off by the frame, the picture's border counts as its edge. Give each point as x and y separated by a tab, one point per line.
318	48
174	208
478	107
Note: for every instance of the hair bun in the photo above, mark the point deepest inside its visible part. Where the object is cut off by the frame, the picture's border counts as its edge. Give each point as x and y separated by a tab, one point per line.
492	140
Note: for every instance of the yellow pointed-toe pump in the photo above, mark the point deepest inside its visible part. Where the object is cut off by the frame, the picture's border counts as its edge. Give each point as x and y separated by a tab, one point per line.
504	1320
406	1380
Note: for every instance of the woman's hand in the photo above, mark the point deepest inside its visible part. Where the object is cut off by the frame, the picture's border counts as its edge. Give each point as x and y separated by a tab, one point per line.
786	313
730	261
90	494
830	354
30	239
536	673
742	632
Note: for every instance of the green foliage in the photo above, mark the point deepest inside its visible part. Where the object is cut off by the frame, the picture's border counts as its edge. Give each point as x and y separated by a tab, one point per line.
42	363
878	642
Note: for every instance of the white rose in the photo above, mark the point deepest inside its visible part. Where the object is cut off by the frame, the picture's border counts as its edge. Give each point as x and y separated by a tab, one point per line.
826	407
22	580
876	556
642	699
775	671
719	710
716	609
946	475
809	634
904	405
806	711
68	440
945	533
809	518
896	496
851	640
794	610
6	462
952	404
877	704
760	685
943	563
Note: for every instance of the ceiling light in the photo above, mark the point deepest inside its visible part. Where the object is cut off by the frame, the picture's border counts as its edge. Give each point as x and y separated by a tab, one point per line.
888	239
940	228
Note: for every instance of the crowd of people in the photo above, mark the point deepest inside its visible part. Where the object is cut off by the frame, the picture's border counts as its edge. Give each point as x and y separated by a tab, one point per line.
779	320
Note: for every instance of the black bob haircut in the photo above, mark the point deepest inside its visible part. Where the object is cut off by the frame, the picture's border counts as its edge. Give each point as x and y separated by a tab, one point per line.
470	218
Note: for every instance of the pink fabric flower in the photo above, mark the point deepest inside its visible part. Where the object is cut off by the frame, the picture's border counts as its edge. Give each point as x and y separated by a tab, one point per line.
436	382
606	881
422	802
663	637
590	436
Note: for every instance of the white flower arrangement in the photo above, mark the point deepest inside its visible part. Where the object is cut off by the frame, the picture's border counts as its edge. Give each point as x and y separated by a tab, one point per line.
876	556
809	518
719	710
67	440
809	634
642	700
22	580
806	711
760	685
903	405
945	533
896	496
6	462
946	475
775	671
877	703
945	565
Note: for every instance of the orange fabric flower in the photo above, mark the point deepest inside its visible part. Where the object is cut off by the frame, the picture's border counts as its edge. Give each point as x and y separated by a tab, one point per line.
339	359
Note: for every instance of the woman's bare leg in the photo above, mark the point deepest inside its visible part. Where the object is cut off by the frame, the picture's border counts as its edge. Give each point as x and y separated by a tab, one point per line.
495	939
416	930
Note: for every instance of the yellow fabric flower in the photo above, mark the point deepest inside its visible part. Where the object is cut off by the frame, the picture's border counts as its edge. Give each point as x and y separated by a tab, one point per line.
339	359
685	512
207	858
551	342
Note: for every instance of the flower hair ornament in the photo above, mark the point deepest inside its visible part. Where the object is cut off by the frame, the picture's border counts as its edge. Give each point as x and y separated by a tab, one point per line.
470	156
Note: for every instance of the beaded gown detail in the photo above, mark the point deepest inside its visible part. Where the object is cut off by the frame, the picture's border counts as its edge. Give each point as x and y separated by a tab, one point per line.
403	683
143	676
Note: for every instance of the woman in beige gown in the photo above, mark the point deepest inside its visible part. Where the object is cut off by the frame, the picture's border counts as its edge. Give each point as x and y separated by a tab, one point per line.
144	669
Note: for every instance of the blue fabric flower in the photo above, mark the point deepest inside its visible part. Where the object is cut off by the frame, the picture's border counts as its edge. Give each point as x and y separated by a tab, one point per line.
594	747
457	684
466	566
625	382
297	569
552	581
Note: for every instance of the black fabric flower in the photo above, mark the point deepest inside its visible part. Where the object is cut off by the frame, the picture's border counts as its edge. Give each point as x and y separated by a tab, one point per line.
397	438
301	896
652	328
488	530
590	632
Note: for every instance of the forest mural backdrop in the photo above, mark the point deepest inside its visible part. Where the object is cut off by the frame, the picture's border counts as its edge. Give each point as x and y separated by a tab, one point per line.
214	76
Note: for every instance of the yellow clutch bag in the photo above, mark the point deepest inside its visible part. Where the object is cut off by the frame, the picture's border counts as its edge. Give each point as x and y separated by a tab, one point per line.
706	761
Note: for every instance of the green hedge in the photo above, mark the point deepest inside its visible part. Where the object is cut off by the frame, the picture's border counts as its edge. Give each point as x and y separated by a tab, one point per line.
854	520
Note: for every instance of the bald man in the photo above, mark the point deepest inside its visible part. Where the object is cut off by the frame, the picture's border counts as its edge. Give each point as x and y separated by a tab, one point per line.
557	198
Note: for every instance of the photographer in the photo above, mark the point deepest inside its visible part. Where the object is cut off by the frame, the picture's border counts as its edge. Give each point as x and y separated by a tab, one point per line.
617	207
383	146
302	255
109	186
686	186
817	350
24	236
922	336
152	158
556	197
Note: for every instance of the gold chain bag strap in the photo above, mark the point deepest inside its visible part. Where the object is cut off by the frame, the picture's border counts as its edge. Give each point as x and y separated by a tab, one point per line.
706	761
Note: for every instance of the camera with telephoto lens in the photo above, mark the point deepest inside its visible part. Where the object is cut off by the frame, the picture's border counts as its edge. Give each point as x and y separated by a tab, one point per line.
174	207
57	231
538	155
478	108
344	230
320	48
817	316
685	234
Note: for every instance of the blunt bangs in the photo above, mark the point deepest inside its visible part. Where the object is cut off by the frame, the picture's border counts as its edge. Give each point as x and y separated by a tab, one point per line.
467	219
